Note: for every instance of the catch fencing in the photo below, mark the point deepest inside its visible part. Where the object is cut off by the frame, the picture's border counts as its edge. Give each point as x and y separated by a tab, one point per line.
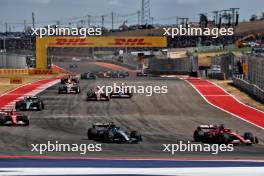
179	65
12	61
226	62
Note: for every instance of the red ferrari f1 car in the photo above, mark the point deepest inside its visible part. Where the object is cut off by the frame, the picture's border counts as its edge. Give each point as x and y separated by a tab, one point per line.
13	117
220	134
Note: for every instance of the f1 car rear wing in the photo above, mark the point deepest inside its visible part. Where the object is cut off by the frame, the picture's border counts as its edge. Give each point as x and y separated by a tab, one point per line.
207	126
98	124
8	110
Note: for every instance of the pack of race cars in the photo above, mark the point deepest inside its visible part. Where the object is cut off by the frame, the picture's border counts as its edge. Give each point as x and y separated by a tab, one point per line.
109	132
105	74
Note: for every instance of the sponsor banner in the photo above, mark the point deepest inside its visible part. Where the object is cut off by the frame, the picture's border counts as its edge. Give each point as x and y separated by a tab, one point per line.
14	71
102	41
41	72
15	80
42	44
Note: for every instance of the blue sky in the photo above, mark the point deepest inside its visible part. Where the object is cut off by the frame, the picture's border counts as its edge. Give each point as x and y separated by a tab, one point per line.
46	12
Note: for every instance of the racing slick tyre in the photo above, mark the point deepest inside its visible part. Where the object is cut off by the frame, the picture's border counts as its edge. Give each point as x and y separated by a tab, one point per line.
78	90
42	105
198	135
20	106
25	120
17	106
39	106
2	119
250	136
91	133
136	135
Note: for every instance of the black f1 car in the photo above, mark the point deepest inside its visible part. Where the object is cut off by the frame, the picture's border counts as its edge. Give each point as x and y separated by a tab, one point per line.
95	95
119	74
109	132
88	75
220	134
30	103
13	117
73	66
70	79
121	92
112	74
104	74
69	88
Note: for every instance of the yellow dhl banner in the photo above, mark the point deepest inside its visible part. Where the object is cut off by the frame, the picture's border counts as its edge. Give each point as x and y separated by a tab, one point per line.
42	72
13	71
102	41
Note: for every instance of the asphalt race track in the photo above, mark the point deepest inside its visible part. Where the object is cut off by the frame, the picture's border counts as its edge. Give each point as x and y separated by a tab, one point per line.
161	118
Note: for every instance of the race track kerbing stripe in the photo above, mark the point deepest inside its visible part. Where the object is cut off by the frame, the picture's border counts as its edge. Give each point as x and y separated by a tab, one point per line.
222	100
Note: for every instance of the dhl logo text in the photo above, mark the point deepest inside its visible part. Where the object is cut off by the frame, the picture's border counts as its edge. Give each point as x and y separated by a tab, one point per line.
130	41
76	41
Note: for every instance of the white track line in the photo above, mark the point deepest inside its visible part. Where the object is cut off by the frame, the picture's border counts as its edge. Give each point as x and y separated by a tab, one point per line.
189	171
217	95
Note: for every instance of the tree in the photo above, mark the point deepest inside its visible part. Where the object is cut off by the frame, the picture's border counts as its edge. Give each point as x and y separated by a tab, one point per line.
253	17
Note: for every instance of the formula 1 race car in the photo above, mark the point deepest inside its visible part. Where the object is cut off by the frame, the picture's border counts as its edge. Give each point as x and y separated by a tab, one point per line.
88	75
109	132
112	74
70	79
119	74
69	88
73	66
104	74
12	117
125	73
121	92
94	95
142	74
221	135
30	103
